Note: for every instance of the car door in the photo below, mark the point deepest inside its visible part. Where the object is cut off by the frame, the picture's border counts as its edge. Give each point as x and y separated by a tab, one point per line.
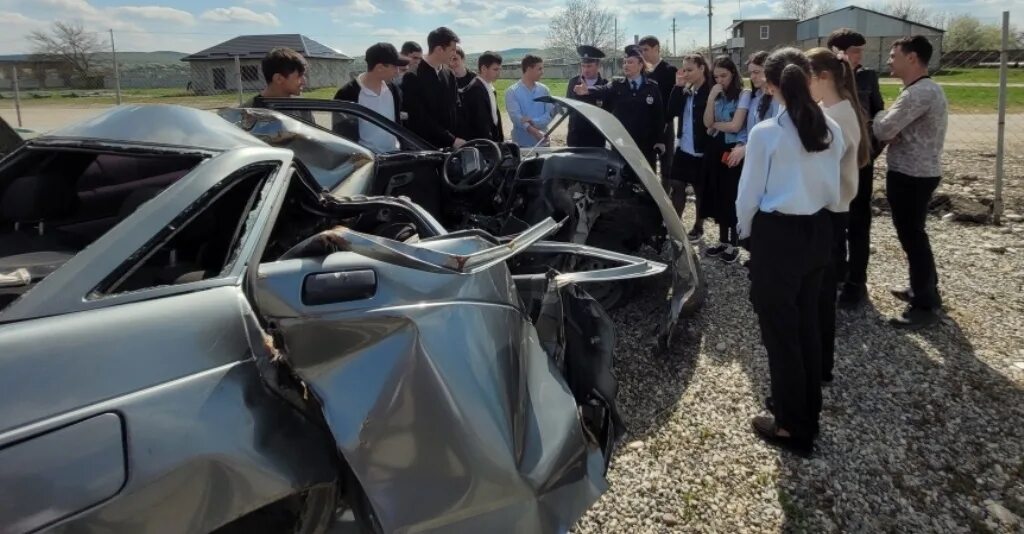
135	407
433	380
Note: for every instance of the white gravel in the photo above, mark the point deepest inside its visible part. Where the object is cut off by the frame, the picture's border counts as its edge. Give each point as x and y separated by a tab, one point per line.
921	432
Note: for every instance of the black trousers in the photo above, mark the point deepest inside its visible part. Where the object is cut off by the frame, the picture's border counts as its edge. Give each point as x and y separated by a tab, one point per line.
686	169
725	182
666	157
908	198
790	255
857	245
827	297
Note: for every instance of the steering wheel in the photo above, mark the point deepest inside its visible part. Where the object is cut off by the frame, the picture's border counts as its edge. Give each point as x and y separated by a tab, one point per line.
476	169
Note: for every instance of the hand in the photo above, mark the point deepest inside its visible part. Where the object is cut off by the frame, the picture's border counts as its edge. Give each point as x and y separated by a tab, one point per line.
680	79
458	142
715	91
659	148
527	121
537	134
736	156
581	89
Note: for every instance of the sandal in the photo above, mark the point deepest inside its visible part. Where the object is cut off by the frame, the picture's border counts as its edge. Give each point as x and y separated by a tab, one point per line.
768	430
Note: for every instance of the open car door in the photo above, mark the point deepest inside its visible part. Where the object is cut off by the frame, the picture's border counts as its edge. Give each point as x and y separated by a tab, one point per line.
433	380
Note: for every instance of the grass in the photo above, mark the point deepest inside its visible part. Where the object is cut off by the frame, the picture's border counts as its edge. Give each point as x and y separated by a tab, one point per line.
961	99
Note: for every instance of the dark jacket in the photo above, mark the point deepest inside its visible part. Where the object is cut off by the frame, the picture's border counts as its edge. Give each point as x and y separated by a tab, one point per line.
348	127
641	112
676	102
431	100
581	132
475	119
665	75
870	96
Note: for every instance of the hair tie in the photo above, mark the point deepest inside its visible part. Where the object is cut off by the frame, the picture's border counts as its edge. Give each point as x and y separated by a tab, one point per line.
840	55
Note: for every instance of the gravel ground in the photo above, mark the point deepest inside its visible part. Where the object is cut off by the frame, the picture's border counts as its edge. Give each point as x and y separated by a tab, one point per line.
920	431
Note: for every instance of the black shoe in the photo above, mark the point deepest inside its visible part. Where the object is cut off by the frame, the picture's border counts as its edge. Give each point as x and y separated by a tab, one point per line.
826	379
915	318
695	235
852	296
730	256
716	250
766	429
902	293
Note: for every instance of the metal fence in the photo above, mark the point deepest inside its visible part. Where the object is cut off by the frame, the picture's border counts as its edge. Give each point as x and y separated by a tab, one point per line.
985	89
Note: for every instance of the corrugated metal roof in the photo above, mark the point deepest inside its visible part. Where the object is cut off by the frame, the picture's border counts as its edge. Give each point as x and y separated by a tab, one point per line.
257	46
879	13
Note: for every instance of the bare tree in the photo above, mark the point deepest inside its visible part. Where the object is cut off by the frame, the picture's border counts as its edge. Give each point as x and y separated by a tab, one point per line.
583	22
907	10
69	43
802	9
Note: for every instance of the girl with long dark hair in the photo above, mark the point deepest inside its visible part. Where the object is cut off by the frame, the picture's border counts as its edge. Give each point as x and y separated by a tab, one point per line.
834	87
725	117
762	105
687	102
790	177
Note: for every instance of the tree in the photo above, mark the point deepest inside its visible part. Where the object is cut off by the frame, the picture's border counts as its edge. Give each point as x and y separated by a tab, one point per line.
803	9
583	22
907	10
69	43
968	33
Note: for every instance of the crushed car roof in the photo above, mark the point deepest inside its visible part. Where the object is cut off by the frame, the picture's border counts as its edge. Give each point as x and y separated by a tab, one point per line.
159	124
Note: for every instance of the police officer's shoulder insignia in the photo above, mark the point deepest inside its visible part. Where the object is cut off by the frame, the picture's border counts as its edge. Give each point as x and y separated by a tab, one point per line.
619	79
650	100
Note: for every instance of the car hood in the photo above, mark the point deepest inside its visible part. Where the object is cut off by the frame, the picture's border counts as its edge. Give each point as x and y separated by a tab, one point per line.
622	142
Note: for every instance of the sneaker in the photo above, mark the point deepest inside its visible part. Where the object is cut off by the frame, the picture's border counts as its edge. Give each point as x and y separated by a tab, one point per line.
852	296
902	293
731	255
695	235
915	318
716	250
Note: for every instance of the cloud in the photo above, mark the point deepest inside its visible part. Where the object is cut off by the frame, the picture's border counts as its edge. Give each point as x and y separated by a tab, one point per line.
519	12
264	3
78	7
359	8
240	14
434	6
158	13
468	22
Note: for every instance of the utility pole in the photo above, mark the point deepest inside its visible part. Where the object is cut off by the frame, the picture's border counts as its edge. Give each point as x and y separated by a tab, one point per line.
117	75
616	37
674	28
711	55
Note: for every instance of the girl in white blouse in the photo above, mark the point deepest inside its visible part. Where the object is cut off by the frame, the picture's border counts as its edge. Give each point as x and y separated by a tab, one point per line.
833	85
790	177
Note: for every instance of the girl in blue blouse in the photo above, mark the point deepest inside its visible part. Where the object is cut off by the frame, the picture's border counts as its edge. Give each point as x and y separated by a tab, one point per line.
725	116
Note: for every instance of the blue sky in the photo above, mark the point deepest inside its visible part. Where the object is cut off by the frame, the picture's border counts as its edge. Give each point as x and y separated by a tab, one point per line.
351	25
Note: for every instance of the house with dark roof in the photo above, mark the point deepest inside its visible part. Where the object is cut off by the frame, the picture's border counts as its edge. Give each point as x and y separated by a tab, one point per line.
879	29
751	35
222	67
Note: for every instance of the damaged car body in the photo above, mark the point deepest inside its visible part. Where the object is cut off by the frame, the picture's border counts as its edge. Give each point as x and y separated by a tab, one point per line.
231	345
609	198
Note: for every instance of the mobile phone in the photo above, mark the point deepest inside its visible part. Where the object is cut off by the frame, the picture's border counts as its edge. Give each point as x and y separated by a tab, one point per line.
725	157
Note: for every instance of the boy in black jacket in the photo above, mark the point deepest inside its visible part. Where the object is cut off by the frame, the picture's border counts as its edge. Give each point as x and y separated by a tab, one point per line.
858	236
479	116
374	90
431	94
665	75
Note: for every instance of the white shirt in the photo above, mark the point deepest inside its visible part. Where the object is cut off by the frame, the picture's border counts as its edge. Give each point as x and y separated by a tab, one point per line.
780	176
849	168
372	136
493	99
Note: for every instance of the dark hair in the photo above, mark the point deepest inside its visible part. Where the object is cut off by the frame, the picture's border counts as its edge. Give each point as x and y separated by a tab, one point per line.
411	47
824	60
736	85
530	60
918	44
702	64
649	40
460	52
487	59
283	61
758	58
790	71
844	38
442	37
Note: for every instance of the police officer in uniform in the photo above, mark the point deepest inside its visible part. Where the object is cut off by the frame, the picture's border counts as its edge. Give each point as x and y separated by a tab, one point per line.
581	133
636	101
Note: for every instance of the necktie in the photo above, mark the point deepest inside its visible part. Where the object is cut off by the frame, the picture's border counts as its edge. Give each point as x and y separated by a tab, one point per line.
635	86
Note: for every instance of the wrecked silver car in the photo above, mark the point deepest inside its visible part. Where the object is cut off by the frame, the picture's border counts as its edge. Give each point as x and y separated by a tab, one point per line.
607	197
197	333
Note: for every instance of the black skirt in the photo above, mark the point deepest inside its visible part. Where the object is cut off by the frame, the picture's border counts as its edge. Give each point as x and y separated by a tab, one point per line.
723	182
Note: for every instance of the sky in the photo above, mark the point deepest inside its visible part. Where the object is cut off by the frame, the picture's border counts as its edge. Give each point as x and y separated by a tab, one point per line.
351	25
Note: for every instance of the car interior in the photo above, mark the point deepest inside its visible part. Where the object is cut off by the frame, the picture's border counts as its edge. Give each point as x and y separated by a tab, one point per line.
54	203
